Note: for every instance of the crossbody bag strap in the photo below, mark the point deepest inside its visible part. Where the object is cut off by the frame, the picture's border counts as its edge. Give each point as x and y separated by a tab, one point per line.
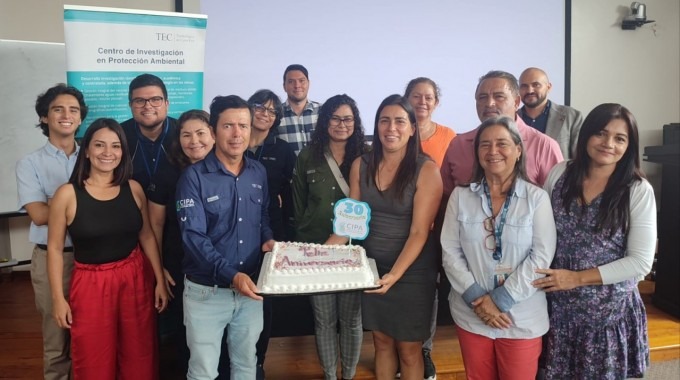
336	173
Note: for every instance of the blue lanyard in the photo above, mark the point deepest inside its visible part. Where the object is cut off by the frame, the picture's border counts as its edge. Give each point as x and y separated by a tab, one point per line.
498	227
158	154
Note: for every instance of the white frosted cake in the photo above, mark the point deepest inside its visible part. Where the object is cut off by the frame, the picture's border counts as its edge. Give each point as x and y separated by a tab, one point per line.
293	268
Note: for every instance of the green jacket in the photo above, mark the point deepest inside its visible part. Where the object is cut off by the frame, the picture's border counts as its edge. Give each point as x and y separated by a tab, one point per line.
315	191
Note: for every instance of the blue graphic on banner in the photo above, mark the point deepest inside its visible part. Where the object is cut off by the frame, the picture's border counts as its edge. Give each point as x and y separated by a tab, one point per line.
106	93
72	15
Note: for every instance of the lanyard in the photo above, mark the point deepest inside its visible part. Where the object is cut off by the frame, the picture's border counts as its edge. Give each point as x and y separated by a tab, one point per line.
158	154
498	227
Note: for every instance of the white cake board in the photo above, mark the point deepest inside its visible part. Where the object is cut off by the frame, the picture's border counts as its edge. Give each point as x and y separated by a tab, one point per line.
265	264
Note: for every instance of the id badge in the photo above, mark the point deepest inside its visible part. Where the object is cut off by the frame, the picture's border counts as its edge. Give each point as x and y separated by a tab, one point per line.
500	274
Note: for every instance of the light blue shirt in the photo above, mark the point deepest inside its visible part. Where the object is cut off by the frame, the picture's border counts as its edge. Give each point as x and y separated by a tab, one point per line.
39	175
528	243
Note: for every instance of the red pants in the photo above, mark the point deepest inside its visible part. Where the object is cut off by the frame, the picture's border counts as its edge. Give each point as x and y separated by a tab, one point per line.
507	359
113	335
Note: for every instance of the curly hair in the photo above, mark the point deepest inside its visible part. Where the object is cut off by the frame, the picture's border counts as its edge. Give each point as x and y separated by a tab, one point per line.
42	104
356	144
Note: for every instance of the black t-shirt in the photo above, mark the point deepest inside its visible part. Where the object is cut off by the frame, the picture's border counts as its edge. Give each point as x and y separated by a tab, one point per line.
149	158
163	194
278	158
105	231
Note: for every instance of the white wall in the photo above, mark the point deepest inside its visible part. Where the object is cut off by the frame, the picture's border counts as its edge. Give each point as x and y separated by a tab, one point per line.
637	68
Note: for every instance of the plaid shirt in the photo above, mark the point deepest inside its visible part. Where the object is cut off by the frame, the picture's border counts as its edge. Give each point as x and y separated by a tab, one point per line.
297	130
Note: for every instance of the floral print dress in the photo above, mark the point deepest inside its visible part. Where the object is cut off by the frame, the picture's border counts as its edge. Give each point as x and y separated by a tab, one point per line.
598	331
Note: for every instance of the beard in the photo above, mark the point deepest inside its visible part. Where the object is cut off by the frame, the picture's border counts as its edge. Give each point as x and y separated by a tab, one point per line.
533	104
150	125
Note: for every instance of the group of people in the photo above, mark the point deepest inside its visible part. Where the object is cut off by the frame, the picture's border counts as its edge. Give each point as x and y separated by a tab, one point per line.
157	215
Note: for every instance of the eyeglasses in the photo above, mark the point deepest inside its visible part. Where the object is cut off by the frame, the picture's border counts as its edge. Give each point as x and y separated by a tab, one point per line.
155	101
490	239
337	120
260	108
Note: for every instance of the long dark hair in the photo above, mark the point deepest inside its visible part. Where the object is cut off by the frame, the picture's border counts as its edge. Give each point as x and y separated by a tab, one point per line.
177	156
509	124
81	171
407	168
356	144
614	211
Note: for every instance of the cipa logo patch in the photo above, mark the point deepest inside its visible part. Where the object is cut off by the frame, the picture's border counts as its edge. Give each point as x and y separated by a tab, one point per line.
184	203
257	186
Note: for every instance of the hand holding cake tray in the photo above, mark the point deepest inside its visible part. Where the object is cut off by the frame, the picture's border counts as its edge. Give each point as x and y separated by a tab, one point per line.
303	268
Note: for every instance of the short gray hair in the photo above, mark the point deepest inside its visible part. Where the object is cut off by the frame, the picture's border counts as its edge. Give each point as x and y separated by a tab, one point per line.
512	81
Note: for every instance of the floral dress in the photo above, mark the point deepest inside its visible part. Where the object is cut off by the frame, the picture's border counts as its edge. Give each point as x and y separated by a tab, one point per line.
597	331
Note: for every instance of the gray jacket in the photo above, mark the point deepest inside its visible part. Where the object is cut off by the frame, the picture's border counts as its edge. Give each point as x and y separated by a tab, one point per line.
564	124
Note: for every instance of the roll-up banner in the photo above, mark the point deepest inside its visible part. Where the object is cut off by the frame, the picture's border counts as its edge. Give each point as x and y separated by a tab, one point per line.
108	47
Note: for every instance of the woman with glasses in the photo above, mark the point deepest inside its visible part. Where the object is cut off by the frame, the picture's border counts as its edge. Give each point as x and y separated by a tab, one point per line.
606	219
423	94
190	142
497	230
278	158
319	181
117	287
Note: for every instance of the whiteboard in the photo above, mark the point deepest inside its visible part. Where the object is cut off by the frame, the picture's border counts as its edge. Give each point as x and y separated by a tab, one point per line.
27	69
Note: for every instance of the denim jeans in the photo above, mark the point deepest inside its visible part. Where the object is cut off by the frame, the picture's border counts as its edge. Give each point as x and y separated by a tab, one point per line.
207	311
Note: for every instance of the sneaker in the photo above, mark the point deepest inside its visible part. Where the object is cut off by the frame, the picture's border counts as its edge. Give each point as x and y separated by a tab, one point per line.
398	375
430	371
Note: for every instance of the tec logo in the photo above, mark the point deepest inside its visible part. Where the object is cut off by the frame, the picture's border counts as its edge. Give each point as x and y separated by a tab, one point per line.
184	203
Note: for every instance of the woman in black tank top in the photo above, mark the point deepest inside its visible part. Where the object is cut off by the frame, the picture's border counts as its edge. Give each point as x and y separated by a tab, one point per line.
118	280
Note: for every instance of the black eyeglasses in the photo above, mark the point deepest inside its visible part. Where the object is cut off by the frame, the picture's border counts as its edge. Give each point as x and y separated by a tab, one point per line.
260	108
337	120
490	239
155	101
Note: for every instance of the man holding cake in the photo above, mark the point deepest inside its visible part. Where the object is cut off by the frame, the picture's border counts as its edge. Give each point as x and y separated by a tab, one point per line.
222	211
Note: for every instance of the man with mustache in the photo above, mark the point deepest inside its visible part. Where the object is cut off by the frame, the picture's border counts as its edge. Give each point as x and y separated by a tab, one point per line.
562	123
497	94
222	210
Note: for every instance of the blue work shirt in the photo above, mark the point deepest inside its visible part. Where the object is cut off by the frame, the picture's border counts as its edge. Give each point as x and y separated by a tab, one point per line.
223	219
39	175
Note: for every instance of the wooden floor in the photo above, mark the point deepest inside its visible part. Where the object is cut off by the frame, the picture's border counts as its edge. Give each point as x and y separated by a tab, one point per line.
287	358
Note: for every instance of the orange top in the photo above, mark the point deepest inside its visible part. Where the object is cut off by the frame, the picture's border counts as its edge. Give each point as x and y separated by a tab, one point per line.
437	144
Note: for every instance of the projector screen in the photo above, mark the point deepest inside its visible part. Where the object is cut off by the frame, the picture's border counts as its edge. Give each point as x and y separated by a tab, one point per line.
371	49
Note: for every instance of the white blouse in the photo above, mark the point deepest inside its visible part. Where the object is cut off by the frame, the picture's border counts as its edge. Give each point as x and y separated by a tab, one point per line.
528	243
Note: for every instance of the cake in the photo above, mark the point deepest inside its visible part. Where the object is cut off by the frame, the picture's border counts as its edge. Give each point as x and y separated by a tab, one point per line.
294	268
